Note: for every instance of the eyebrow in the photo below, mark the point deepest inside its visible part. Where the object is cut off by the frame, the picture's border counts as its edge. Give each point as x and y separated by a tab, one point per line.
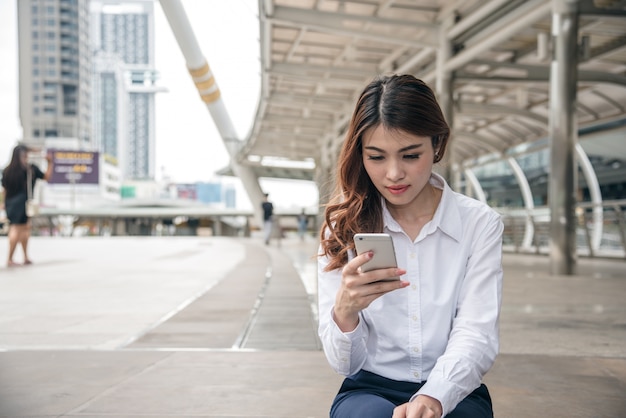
408	148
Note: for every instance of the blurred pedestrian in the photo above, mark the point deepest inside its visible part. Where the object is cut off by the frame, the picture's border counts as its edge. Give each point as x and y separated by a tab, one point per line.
18	183
268	218
303	223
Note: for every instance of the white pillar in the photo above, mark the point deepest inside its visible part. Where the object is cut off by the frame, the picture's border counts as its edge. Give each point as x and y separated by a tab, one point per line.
211	96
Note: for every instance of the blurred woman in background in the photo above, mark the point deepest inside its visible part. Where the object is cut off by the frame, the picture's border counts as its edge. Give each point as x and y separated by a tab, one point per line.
15	179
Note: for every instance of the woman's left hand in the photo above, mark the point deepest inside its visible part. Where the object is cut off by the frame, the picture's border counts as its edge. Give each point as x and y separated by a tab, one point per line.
421	407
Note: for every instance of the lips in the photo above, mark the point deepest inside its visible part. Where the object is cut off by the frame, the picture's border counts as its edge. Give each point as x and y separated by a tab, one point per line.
397	189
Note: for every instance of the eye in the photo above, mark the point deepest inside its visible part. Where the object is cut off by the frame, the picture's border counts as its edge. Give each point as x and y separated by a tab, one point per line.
375	157
412	156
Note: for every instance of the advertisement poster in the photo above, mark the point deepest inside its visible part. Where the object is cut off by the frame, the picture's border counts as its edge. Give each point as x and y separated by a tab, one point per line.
75	167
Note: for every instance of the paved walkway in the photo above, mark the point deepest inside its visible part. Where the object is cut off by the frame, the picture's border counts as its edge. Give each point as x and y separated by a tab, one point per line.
223	327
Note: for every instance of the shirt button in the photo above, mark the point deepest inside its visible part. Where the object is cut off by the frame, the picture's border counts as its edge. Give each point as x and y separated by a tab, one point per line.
412	255
416	374
414	317
416	349
413	287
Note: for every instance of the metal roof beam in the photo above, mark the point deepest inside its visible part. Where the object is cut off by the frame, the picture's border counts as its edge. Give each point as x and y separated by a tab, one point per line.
537	73
466	108
481	140
282	68
494	35
303	99
333	23
589	8
310	17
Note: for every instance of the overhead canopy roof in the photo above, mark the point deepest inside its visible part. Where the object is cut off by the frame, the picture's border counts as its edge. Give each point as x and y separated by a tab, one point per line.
317	55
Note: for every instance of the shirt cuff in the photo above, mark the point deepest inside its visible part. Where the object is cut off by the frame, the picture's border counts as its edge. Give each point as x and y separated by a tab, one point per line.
354	335
446	392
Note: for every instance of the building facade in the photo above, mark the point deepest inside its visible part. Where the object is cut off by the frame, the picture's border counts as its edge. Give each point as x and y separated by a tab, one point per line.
125	84
55	70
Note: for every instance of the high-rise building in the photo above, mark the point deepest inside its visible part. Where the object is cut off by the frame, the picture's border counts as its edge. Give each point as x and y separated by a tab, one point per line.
54	70
125	84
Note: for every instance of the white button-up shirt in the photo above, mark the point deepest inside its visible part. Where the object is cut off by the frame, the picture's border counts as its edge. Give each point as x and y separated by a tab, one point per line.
443	328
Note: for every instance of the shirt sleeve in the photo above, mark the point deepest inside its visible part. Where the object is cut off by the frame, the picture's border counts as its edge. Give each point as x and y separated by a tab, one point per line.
37	173
346	352
474	340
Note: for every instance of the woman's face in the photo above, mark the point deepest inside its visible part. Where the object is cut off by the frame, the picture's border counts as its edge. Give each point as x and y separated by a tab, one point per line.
24	158
399	164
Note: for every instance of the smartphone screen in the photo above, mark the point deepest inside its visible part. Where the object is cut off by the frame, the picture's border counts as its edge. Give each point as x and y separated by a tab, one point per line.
381	245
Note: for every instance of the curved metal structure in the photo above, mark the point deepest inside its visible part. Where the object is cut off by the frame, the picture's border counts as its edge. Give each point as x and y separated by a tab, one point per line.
496	66
317	56
488	60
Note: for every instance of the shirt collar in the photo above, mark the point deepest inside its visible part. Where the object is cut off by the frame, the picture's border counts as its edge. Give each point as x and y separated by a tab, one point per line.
447	210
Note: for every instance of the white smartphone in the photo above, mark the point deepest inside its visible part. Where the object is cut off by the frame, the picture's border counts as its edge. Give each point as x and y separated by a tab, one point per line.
381	245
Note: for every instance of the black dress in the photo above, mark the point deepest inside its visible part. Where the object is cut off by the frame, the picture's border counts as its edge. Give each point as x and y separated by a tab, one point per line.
15	199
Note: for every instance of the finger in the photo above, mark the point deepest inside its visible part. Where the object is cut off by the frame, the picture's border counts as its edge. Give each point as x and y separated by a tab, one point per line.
384	286
399	411
352	267
387	274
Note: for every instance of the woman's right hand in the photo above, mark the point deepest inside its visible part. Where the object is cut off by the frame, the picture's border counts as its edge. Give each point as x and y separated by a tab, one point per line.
359	289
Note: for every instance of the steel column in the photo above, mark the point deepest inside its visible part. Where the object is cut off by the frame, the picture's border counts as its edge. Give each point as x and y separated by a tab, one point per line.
563	138
445	89
211	96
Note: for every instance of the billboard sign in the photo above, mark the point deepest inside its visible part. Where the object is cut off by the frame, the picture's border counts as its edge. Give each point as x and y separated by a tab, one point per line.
75	167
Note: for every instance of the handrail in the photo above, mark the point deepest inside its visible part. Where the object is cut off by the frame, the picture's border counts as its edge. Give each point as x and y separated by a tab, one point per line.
612	231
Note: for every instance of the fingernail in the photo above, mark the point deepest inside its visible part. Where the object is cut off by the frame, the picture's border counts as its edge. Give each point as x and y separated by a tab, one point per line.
370	254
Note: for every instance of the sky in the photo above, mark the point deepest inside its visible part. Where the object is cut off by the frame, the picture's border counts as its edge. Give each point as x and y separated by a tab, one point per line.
188	145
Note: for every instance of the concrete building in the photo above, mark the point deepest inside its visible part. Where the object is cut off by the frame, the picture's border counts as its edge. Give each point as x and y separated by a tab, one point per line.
55	66
125	84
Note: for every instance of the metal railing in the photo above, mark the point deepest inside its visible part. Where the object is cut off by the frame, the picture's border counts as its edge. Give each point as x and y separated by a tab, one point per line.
601	229
600	232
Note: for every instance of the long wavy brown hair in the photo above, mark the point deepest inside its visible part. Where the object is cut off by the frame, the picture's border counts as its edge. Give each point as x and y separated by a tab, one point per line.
398	102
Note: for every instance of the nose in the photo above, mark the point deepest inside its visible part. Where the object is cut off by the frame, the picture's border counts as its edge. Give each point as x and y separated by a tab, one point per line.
395	171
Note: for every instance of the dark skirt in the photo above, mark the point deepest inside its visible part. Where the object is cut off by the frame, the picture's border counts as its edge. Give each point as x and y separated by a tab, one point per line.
15	207
366	395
